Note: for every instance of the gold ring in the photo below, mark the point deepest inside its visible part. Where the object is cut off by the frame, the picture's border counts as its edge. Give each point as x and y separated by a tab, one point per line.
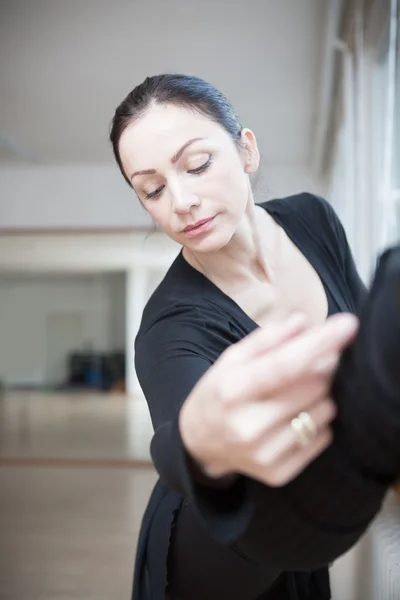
305	428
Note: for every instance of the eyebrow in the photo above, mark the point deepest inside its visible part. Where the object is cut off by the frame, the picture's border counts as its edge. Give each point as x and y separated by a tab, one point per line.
174	159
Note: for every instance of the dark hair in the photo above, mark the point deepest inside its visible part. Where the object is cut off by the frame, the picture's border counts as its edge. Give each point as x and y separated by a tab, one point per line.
182	90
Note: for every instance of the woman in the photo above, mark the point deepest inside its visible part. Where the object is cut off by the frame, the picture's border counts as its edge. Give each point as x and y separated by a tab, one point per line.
265	478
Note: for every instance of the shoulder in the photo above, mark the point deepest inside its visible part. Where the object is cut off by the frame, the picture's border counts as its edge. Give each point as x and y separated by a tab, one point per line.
314	215
185	337
182	317
305	204
179	289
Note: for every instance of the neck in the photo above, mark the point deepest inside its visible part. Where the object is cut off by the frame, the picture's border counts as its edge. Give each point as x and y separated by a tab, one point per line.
244	258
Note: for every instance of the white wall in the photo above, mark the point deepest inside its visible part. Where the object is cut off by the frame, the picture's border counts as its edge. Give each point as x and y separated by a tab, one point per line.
76	196
283	180
27	301
65	66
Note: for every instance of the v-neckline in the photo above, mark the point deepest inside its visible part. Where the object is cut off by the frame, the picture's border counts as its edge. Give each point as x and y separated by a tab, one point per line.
235	307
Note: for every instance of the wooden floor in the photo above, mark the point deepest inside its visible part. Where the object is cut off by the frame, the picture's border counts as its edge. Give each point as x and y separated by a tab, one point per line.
75	476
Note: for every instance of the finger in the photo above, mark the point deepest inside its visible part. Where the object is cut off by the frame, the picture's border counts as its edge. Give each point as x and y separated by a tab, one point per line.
298	398
297	462
331	337
323	412
299	393
254	422
326	365
263	340
235	386
279	445
296	359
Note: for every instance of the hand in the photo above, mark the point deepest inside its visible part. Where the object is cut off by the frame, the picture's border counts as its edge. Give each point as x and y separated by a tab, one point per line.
238	417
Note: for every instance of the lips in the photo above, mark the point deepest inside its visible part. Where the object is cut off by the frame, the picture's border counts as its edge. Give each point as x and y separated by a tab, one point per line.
197	225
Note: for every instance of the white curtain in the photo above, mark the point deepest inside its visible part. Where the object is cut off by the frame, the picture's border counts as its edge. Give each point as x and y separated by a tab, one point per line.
362	166
363	173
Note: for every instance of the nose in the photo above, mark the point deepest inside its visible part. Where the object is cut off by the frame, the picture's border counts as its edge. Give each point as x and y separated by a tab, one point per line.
183	200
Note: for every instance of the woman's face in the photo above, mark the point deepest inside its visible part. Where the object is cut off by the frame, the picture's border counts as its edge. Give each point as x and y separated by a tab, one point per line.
189	175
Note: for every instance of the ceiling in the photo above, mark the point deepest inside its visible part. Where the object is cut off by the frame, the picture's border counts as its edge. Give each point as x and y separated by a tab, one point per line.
65	65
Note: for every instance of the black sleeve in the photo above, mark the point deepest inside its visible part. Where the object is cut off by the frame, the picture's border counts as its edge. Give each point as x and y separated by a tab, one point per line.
342	490
374	414
169	361
329	506
326	509
344	254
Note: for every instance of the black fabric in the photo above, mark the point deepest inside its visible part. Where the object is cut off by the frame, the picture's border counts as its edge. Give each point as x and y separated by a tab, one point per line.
199	567
298	529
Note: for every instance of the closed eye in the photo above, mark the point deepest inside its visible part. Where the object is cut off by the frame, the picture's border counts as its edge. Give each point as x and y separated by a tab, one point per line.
202	168
198	171
155	194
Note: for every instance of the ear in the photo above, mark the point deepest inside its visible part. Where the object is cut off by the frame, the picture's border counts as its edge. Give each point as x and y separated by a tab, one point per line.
250	151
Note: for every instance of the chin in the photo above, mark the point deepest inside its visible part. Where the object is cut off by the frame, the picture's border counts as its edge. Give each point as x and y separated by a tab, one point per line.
208	244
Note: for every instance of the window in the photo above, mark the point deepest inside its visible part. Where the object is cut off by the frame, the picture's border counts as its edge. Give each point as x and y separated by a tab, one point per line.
396	148
386	130
365	124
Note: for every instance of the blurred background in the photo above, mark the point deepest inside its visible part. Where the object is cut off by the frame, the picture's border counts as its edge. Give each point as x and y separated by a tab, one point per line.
319	83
